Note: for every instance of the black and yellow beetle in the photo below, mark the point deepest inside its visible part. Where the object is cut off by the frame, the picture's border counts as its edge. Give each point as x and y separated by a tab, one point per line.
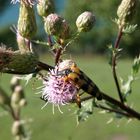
69	71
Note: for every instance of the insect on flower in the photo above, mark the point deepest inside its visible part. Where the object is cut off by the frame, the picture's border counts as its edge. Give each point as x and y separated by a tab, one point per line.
56	90
63	83
70	72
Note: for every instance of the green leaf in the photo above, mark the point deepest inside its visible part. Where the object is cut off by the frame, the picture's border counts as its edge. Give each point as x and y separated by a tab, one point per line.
126	86
110	48
27	78
113	52
56	46
136	65
129	29
40	43
84	112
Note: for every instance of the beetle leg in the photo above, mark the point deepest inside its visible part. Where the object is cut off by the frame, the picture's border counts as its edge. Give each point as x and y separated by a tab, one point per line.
78	100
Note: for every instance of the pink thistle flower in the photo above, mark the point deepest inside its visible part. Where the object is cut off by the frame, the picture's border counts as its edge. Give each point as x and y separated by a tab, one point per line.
57	91
28	2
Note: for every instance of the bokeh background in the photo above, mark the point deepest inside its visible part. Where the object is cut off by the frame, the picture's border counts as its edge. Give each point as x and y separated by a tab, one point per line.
90	52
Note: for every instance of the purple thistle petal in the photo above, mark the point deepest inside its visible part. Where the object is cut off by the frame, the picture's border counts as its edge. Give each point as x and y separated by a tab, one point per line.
57	91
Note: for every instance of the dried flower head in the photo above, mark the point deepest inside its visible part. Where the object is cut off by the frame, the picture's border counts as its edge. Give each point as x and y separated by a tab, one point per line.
57	91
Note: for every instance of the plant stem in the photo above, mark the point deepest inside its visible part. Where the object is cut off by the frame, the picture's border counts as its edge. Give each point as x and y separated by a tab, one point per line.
116	46
58	55
51	45
111	100
128	110
13	114
120	33
112	110
58	52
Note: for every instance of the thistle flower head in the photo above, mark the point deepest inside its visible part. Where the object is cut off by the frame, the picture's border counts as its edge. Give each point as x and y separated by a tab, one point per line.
16	61
53	23
57	26
85	21
45	7
26	22
126	11
57	91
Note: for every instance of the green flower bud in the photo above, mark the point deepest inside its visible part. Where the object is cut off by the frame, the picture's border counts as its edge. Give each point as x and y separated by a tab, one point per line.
23	43
57	26
85	22
126	10
14	82
16	62
53	24
45	7
4	99
19	90
16	97
26	22
17	128
23	102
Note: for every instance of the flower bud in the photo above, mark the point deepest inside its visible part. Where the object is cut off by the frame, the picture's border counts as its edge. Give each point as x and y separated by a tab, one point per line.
4	99
23	102
53	24
85	22
17	128
45	7
17	94
26	22
23	43
16	97
126	10
19	90
17	62
14	82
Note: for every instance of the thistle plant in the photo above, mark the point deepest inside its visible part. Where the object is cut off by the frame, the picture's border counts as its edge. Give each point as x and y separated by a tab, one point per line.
64	80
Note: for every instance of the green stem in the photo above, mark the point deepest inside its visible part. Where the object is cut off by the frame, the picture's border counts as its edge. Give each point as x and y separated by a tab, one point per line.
113	110
116	46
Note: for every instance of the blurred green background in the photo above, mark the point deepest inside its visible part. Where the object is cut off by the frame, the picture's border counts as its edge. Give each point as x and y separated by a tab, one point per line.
88	51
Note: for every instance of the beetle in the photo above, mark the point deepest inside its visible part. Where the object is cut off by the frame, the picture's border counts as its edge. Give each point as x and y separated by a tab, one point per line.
70	72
